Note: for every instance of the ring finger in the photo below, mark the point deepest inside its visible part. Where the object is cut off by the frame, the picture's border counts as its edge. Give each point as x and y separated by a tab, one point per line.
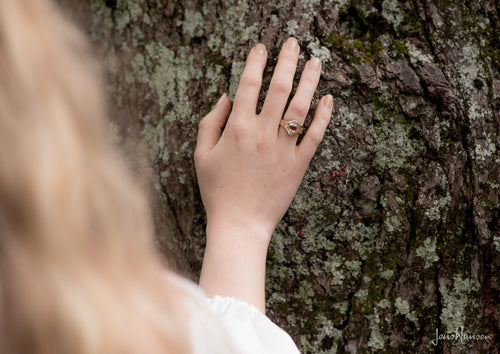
301	101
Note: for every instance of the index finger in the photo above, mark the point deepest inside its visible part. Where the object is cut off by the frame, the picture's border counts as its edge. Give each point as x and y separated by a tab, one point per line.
248	90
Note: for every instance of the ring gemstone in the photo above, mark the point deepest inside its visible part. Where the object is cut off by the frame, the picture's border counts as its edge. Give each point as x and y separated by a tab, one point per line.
292	127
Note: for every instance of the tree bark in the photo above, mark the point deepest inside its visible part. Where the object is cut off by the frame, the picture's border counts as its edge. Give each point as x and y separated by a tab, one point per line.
393	236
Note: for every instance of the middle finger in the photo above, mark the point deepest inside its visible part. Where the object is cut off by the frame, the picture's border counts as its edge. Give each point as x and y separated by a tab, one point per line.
281	82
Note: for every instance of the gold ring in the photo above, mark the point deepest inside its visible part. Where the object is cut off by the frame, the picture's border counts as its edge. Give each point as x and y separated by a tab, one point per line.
292	126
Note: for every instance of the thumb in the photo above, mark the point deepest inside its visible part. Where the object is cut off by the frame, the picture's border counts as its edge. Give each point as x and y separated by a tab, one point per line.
210	127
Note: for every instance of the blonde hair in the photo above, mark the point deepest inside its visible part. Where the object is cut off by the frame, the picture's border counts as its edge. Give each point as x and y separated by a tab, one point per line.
78	270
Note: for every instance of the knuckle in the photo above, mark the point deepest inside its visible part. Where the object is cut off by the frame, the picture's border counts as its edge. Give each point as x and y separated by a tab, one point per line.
316	137
203	123
238	126
246	138
238	130
250	81
197	156
300	109
282	88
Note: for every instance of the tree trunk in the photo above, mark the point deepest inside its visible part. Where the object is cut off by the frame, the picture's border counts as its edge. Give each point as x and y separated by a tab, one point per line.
393	237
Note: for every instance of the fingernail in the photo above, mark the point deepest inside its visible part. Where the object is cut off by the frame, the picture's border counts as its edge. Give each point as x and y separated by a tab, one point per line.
292	44
260	48
219	102
315	64
328	100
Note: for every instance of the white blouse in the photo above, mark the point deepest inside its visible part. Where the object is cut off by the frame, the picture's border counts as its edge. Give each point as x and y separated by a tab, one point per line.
227	325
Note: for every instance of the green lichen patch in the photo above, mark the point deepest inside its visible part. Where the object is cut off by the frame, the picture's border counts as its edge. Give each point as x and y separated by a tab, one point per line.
455	302
232	30
126	11
376	339
236	71
436	210
428	252
394	146
170	74
392	13
403	308
192	24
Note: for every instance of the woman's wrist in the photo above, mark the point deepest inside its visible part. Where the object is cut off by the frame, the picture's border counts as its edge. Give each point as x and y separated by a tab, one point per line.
235	261
236	227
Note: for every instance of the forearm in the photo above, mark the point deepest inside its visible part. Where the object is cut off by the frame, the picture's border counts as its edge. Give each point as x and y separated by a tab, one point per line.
235	262
249	167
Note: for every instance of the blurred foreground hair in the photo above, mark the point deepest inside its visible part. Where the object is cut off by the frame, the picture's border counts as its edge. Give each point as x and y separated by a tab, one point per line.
78	270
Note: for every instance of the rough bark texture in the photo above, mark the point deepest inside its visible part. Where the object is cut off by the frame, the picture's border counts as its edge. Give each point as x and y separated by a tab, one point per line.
394	233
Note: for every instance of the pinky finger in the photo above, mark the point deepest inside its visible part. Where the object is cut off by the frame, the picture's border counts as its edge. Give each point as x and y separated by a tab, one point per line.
314	135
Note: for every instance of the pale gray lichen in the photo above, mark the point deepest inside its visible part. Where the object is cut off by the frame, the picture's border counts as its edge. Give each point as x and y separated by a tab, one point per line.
137	36
392	13
362	238
384	304
485	148
428	252
368	10
362	295
192	24
135	8
346	118
353	267
387	274
127	11
154	136
333	265
139	69
235	28
342	307
147	20
340	3
212	77
250	33
214	41
468	65
236	71
275	20
342	269
469	68
455	301
496	242
326	330
415	55
376	339
306	293
394	145
172	71
291	27
438	206
309	8
101	14
403	308
393	222
317	50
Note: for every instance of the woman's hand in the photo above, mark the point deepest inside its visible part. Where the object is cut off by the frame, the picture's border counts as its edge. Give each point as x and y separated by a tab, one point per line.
248	167
249	173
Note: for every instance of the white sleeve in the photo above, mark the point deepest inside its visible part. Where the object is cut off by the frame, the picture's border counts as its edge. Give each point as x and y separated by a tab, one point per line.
250	329
223	325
